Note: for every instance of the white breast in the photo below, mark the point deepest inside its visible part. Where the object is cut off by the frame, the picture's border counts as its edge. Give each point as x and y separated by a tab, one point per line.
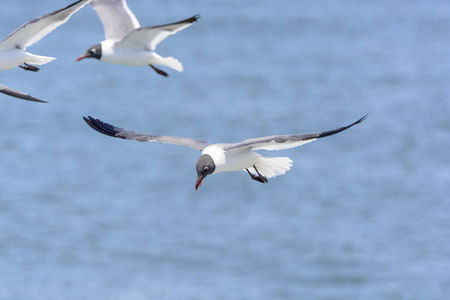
124	56
228	161
12	58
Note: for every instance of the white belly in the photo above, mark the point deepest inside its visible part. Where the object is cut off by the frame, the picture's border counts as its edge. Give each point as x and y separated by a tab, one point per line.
128	58
241	159
12	58
229	161
135	57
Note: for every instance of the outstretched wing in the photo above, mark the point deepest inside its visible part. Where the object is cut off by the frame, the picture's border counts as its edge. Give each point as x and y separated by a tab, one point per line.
116	17
279	142
34	30
18	94
113	131
149	37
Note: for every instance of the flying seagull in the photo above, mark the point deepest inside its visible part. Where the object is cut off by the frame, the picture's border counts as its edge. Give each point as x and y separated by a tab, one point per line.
18	94
12	48
127	43
227	157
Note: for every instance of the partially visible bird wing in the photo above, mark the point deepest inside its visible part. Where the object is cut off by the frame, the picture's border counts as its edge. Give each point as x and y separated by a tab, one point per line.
149	37
117	18
279	142
34	30
113	131
18	94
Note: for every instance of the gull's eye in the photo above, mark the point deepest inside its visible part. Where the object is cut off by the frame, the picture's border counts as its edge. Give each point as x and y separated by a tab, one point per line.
93	51
206	168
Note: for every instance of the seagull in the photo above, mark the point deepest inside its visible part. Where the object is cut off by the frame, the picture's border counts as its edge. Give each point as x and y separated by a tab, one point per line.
127	43
18	94
12	48
228	157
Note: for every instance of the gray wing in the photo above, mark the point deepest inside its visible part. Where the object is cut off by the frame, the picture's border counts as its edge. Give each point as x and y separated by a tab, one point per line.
149	37
34	30
279	142
113	131
18	94
116	17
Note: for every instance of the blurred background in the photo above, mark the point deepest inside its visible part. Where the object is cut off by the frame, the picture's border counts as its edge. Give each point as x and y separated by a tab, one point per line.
361	215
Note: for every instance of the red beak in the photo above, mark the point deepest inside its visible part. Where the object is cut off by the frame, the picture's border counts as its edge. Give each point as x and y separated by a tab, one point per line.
81	57
198	183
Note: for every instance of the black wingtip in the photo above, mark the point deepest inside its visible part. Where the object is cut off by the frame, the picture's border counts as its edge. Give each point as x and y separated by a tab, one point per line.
191	19
35	100
90	121
100	126
362	119
19	95
357	122
340	129
194	18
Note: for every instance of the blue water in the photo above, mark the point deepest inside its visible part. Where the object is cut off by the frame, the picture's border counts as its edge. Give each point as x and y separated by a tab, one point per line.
361	215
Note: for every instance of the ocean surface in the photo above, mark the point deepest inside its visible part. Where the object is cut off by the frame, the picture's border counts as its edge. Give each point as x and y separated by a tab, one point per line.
364	214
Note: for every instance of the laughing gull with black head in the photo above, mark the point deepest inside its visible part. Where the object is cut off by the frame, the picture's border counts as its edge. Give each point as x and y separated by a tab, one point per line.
127	43
12	48
227	157
18	94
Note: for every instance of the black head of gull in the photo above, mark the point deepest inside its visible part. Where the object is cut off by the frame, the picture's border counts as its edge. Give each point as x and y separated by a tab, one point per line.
205	166
93	52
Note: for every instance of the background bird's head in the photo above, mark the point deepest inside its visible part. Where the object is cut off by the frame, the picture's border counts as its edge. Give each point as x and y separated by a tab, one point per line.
93	52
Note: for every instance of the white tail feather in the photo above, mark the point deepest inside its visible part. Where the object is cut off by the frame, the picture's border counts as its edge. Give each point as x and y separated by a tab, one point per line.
172	63
38	60
273	166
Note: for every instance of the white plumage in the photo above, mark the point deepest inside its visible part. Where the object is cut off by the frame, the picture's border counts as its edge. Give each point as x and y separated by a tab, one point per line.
12	48
127	43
